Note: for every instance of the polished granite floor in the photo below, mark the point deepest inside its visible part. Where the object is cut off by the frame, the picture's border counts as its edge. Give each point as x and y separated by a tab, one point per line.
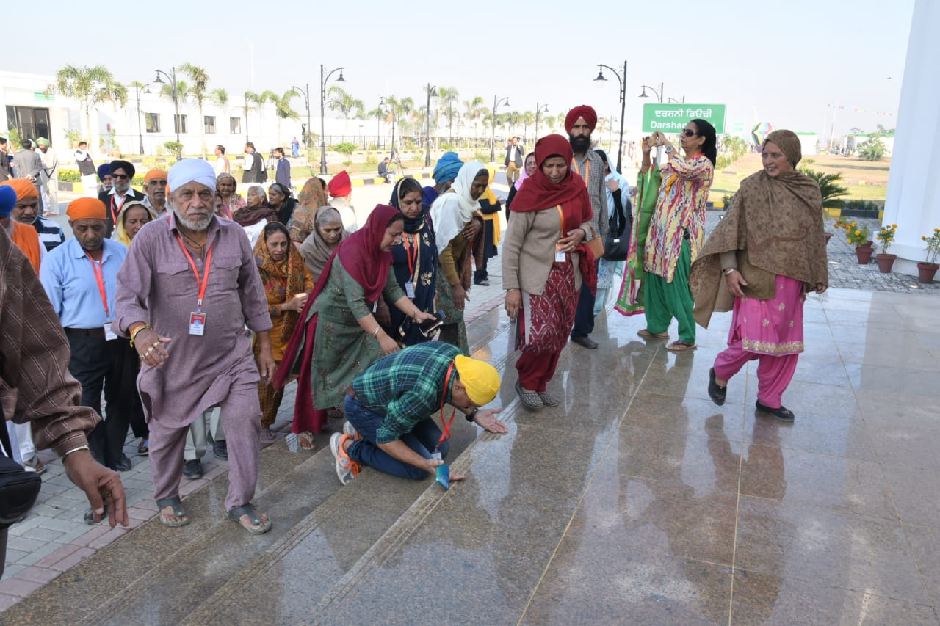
637	500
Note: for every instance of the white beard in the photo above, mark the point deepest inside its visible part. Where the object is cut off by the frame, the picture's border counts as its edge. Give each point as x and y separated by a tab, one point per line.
199	225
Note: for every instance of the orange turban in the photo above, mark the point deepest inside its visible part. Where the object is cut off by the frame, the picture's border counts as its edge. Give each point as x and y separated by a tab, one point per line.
154	175
585	111
23	188
86	209
340	185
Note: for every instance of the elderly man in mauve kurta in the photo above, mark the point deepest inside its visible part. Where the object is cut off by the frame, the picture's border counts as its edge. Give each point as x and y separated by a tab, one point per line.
185	294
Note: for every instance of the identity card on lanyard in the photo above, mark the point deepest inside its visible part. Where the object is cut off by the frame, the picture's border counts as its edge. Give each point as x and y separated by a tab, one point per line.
559	251
109	335
197	319
412	260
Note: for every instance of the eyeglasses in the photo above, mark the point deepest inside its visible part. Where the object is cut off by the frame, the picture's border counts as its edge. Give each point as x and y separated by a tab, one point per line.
120	176
688	132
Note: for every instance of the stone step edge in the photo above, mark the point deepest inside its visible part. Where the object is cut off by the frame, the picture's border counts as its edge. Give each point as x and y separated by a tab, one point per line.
327	509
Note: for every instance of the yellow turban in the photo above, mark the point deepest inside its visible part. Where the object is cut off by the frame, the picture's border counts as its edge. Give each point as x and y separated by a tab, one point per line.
23	188
479	378
86	209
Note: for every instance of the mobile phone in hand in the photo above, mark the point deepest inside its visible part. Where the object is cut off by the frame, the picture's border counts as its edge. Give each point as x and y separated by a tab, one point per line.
429	326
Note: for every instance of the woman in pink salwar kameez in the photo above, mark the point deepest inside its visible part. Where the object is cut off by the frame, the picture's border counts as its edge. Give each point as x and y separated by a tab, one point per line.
767	253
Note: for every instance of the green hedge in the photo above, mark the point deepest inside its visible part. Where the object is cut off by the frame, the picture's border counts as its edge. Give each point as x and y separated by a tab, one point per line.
72	176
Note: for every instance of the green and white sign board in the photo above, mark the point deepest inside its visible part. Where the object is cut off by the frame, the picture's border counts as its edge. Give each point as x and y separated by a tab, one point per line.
672	118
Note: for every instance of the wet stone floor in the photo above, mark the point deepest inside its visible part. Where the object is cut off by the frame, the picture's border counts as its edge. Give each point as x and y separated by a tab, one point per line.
637	500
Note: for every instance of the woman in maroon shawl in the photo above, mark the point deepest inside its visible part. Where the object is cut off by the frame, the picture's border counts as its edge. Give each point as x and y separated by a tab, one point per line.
340	337
544	262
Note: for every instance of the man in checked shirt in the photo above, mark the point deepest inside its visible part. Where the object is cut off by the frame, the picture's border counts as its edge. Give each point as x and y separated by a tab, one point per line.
390	408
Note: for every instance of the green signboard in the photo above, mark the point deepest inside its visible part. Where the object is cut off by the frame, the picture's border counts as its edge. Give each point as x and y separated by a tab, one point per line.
672	118
42	96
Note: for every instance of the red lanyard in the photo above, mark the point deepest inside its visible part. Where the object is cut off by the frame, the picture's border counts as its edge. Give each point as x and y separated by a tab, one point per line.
204	282
113	212
587	171
412	260
446	434
99	278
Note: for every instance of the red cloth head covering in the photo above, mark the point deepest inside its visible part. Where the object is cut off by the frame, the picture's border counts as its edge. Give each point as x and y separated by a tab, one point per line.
340	185
23	188
585	111
539	193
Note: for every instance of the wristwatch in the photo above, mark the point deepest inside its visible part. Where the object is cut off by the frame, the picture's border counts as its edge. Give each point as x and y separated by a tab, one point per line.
669	149
471	415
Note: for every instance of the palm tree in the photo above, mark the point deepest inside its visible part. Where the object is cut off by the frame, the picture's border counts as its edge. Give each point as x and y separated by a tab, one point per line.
828	187
89	85
400	108
281	107
253	100
182	93
345	104
448	96
199	91
527	118
473	111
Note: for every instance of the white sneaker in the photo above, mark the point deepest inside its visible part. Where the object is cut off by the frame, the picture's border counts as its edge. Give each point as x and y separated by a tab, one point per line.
346	470
350	430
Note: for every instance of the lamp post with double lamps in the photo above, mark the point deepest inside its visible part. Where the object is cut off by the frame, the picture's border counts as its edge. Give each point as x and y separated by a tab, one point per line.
623	101
324	78
496	102
176	105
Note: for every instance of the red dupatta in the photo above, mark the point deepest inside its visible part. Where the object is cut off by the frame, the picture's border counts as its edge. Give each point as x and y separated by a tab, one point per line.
540	193
361	256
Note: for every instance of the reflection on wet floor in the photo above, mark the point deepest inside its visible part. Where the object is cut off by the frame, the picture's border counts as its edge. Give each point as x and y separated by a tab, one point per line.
636	500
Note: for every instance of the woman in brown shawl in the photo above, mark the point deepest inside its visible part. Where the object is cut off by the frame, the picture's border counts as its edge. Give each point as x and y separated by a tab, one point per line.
311	198
766	254
258	208
327	234
286	284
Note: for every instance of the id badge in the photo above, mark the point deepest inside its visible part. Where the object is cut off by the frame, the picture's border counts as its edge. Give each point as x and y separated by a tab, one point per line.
436	455
410	289
109	334
197	324
559	254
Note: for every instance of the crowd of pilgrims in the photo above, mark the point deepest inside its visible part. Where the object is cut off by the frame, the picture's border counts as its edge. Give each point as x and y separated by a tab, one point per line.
341	296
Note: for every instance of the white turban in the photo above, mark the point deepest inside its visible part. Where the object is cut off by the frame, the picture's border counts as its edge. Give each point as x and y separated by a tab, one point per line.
191	170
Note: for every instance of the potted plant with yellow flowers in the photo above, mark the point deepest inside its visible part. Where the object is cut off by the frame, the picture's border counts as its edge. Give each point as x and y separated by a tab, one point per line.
926	271
857	236
885	260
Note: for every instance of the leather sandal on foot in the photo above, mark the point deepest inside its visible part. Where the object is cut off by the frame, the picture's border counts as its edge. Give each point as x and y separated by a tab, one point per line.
680	346
716	392
306	441
258	525
178	512
783	413
646	333
529	399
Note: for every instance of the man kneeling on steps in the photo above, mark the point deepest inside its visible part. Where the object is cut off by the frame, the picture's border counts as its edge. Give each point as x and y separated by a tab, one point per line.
390	407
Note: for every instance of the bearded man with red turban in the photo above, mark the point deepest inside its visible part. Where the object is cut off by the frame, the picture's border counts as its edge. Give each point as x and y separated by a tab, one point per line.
580	123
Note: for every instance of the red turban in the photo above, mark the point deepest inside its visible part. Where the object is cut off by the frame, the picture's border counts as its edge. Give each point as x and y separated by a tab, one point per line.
340	185
86	209
588	113
23	188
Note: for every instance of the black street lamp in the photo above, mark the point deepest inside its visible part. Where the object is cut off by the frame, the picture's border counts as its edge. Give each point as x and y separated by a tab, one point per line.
623	101
676	101
539	109
496	102
659	94
140	129
432	91
306	93
323	81
176	104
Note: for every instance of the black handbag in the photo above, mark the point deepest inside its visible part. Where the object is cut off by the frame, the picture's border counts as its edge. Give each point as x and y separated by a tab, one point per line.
617	244
18	488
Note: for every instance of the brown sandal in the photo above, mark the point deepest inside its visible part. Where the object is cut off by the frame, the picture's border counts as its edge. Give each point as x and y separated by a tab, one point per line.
305	440
646	333
680	346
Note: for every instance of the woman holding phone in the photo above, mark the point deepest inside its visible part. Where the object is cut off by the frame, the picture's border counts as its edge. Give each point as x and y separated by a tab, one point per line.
677	231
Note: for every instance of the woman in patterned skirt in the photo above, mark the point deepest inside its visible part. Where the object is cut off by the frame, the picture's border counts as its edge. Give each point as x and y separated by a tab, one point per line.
544	262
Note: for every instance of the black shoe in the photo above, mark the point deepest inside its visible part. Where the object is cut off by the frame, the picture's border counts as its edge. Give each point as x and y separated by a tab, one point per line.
220	450
716	391
783	413
192	469
585	342
124	464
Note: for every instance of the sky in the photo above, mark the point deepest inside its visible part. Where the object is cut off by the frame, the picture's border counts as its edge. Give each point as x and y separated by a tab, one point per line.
776	62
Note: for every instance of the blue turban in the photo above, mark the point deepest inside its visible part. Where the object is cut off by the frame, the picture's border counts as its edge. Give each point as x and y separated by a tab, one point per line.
7	200
104	170
447	167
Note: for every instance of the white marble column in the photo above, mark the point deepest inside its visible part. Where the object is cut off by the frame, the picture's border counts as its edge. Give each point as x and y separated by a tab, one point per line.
914	184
